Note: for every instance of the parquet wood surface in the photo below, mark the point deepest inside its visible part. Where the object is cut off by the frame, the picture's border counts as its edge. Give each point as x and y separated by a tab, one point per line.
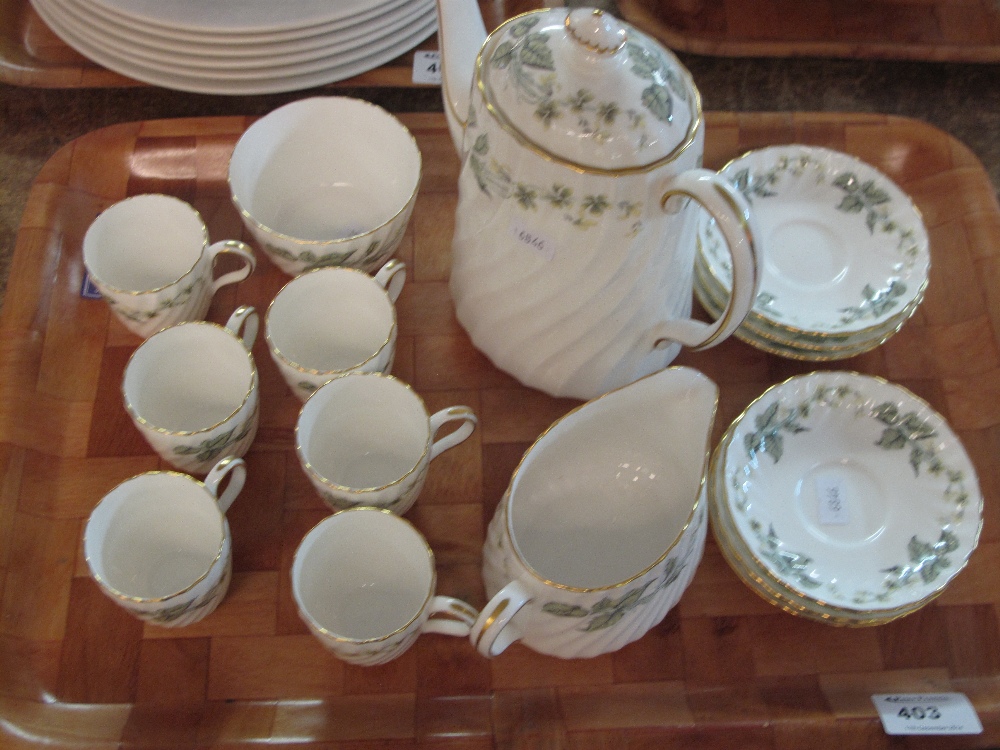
942	30
724	670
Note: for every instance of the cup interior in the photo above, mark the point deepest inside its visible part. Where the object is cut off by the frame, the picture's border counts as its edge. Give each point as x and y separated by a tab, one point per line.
363	431
610	488
187	378
324	169
144	243
330	320
154	535
362	574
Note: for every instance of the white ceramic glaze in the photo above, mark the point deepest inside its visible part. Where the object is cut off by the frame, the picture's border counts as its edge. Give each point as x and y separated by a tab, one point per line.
150	257
601	528
364	582
573	251
365	438
326	181
907	509
106	53
844	249
238	50
192	391
331	321
159	544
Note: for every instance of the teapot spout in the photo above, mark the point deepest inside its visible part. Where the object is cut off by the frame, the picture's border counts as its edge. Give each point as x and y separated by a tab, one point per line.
461	34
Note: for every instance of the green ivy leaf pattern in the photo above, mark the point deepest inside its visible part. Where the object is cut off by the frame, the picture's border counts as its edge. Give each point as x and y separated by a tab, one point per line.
208	450
767	437
610	611
863	197
658	101
496	181
874	303
535	52
171	614
182	297
901	431
794	565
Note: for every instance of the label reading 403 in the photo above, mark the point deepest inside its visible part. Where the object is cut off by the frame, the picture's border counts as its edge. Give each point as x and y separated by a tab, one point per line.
927	713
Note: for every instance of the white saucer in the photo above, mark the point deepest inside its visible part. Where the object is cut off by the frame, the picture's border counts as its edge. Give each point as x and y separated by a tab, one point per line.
252	67
844	248
286	81
150	42
851	491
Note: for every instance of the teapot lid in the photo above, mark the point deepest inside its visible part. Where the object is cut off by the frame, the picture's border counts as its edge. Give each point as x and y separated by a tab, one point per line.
588	89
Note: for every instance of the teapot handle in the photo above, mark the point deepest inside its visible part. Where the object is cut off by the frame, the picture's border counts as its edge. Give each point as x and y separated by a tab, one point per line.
732	214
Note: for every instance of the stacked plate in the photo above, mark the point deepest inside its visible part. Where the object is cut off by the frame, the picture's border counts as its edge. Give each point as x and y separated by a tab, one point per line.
240	46
844	499
845	254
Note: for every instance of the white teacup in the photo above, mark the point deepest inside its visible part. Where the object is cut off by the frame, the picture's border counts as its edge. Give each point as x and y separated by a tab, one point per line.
150	257
159	544
367	439
326	181
364	582
192	391
331	321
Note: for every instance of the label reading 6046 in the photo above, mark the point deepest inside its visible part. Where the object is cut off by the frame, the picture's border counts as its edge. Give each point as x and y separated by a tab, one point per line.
927	713
533	239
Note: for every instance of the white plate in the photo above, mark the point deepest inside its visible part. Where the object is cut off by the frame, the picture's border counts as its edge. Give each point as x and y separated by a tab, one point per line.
149	41
910	508
236	16
247	86
188	58
844	248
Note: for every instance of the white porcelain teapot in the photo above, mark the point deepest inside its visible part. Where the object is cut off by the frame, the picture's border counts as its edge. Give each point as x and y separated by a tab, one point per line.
573	255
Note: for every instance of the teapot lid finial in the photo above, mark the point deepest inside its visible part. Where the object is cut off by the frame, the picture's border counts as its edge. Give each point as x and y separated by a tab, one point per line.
596	30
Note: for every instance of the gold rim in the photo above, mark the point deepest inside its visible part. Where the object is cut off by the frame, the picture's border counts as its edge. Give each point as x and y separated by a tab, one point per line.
509	527
508	126
179	279
329	521
160	599
313	472
251	390
276	350
803	351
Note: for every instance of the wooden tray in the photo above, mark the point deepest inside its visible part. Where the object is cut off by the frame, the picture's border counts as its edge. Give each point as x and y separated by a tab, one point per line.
32	55
943	30
724	670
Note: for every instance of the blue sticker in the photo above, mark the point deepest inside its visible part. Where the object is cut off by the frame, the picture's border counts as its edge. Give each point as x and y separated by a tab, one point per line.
88	290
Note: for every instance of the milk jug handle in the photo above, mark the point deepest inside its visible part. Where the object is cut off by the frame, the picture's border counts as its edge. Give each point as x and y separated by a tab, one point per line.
732	214
493	630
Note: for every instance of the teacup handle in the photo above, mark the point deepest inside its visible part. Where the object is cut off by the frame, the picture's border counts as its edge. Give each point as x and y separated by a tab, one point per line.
235	247
391	277
225	466
732	213
244	322
493	630
452	414
457	617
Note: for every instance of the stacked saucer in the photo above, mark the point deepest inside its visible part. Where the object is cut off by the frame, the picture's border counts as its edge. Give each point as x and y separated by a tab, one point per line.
240	46
845	254
844	498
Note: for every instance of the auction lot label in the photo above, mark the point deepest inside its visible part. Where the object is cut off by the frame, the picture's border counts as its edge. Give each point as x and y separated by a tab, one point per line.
927	713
